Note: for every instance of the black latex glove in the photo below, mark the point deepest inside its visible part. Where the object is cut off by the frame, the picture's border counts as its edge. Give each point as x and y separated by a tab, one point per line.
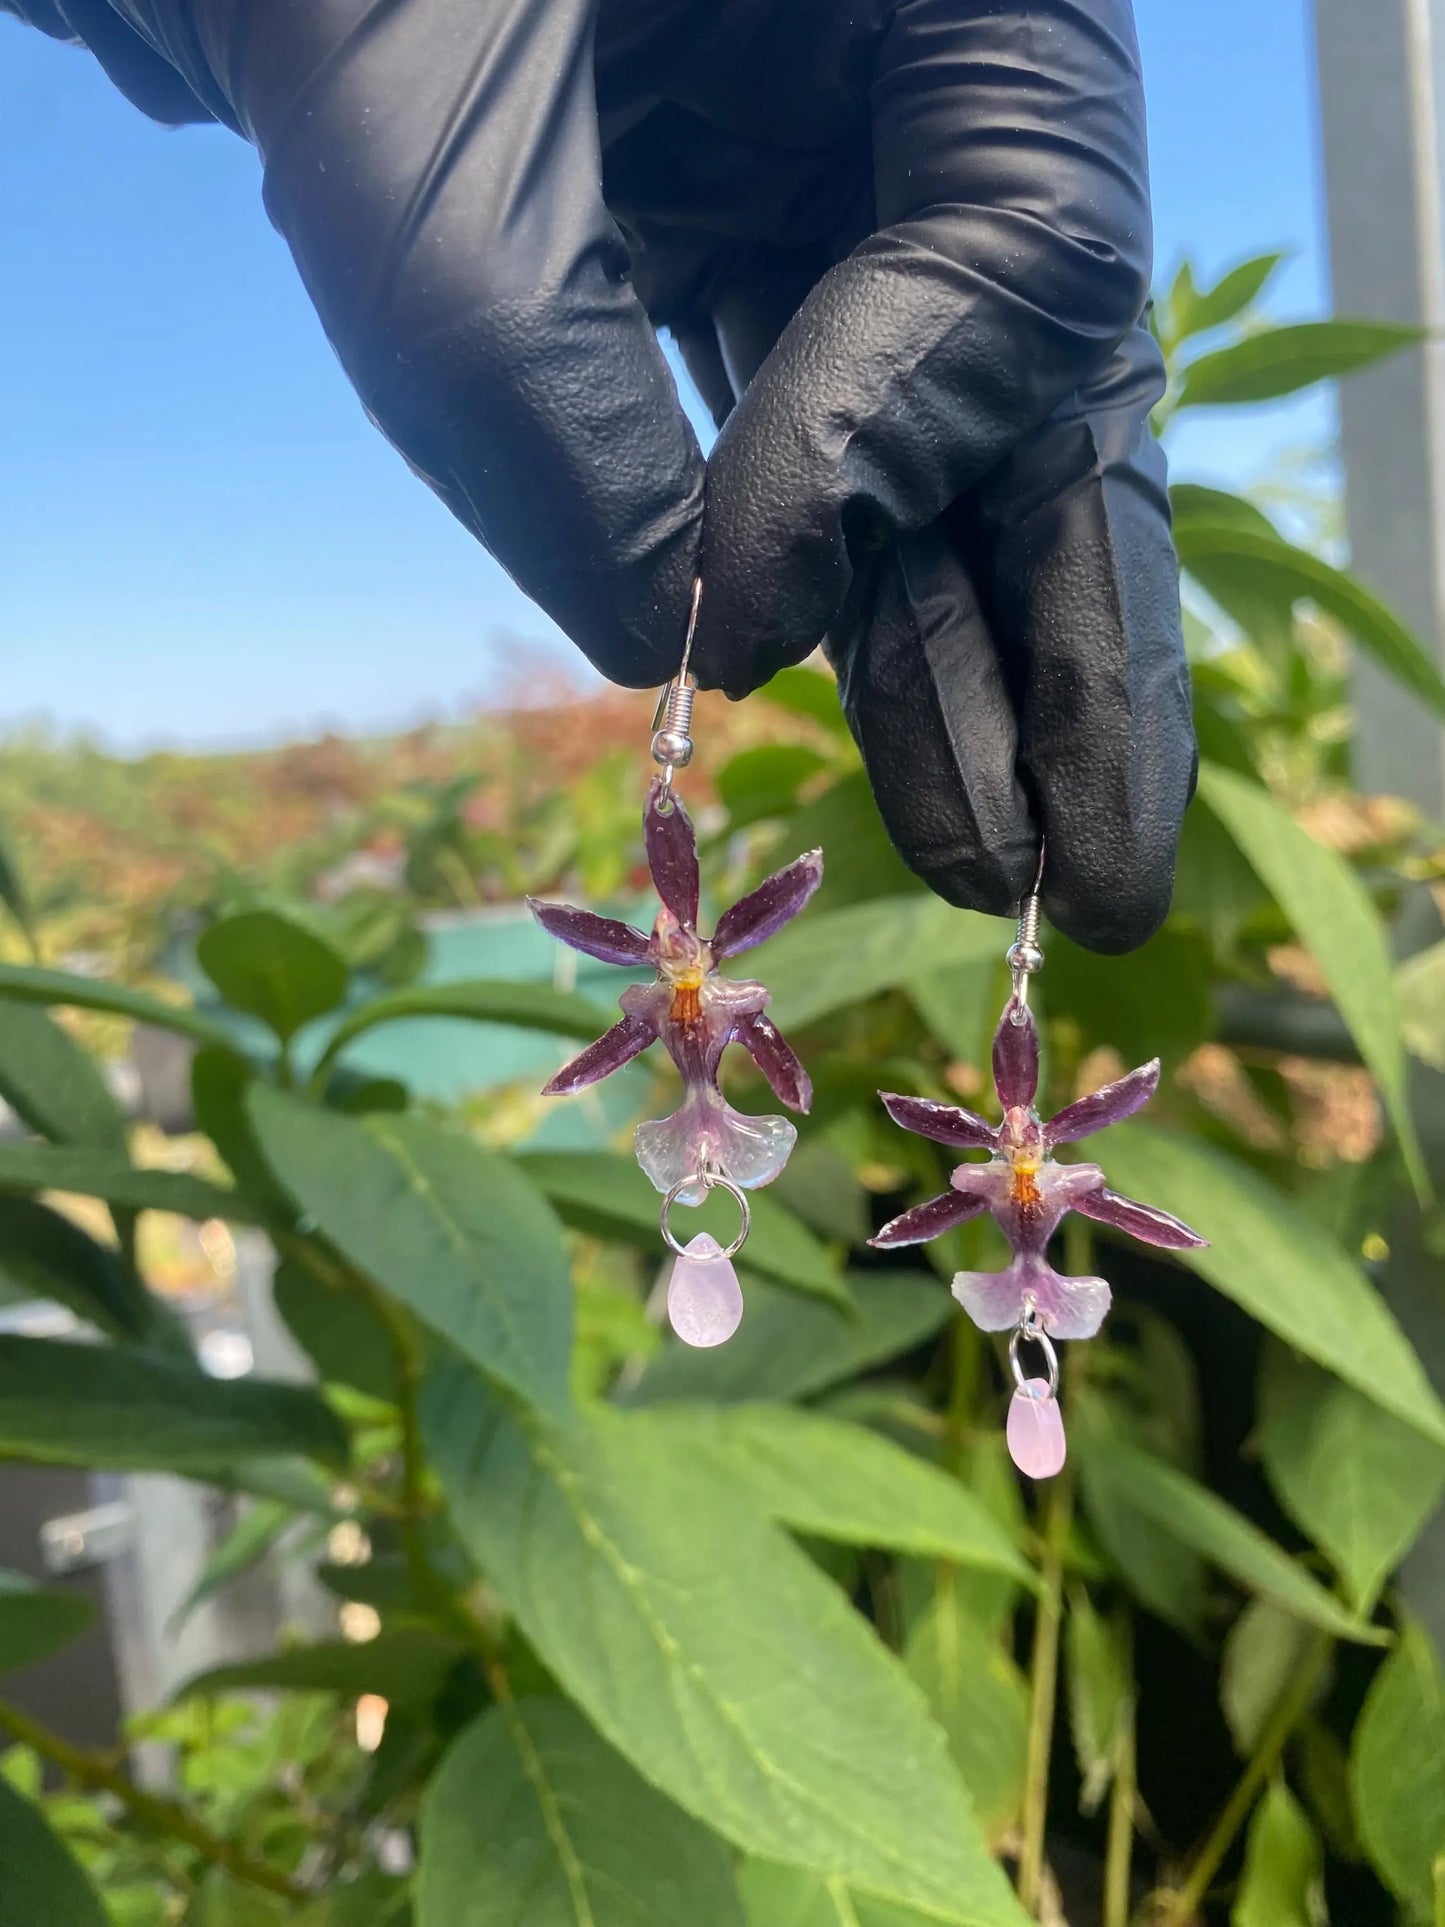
909	237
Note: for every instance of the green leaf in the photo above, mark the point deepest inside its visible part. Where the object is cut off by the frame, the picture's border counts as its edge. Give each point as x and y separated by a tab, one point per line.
220	1083
1245	570
454	1232
959	1005
1397	1770
220	1900
980	1699
407	1667
115	1408
1281	361
37	1620
839	1481
355	1095
41	1884
1421	985
1355	1479
292	1482
98	1173
833	959
790	1347
533	1818
1152	1003
31	986
561	1013
807	692
1164	1577
772	1713
1193	310
45	1255
274	968
1283	1869
1333	916
1193	502
52	1083
373	1899
341	1331
609	1196
1279	1264
764	781
1198	1519
1261	1655
13	893
1101	1693
859	861
1215	886
778	1896
253	1535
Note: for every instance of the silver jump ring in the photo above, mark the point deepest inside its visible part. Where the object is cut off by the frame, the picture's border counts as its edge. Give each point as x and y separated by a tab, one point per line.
1030	1327
710	1181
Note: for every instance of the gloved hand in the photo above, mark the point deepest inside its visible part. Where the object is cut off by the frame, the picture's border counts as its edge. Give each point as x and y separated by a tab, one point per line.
905	247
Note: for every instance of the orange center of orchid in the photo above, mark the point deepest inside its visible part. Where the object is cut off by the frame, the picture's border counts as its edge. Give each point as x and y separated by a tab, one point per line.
686	998
1024	1189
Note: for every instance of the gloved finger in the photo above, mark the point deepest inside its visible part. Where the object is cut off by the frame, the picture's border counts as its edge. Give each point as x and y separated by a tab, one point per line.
1014	252
927	699
146	79
1077	571
435	169
919	673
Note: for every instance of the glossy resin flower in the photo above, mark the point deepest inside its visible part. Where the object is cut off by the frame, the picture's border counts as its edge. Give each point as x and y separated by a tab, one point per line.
1026	1192
692	1010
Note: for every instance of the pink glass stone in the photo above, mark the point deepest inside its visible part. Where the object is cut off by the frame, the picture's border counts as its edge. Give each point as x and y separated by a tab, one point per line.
1035	1430
704	1298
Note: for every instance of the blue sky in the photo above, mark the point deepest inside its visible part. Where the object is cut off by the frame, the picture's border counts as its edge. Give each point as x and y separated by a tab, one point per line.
202	541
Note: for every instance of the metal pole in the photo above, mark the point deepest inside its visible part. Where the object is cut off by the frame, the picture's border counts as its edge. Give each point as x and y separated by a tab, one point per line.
1381	86
1382	90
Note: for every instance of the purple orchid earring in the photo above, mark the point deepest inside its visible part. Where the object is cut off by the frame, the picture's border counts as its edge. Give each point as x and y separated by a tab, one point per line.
695	1013
1027	1194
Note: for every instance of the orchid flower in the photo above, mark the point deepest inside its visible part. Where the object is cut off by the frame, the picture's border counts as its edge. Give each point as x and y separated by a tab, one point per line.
693	1011
1026	1192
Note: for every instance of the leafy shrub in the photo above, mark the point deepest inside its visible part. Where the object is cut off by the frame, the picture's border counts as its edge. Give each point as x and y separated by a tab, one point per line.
771	1637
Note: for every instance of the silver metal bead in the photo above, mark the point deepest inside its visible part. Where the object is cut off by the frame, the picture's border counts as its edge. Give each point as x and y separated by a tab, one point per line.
1026	957
671	746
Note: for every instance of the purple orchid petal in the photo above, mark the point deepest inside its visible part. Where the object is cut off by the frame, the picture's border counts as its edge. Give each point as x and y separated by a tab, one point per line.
764	911
602	937
1110	1105
615	1048
1068	1307
1142	1221
672	853
777	1060
929	1220
1016	1056
945	1123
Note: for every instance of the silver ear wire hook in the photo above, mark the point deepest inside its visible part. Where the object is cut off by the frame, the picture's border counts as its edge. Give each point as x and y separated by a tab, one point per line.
1025	957
672	721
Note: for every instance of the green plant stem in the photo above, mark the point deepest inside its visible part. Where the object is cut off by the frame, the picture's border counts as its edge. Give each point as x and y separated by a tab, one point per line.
1119	1847
1043	1685
1182	1906
100	1775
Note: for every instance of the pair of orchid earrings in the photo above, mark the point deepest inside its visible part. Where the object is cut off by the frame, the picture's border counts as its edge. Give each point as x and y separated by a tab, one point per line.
695	1013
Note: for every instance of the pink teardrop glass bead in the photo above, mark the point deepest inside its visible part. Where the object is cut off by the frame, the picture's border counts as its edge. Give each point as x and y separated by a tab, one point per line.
704	1298
1035	1430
